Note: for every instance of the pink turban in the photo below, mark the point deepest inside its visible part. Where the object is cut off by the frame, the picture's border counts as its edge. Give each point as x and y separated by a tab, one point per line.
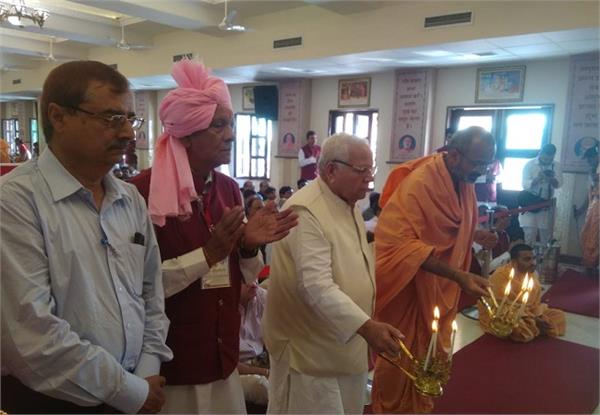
185	110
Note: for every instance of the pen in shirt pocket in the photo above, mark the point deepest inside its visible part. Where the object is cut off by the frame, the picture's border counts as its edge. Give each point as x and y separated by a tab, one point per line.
138	239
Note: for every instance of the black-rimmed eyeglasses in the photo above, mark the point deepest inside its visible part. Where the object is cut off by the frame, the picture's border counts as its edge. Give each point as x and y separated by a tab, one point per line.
114	121
360	170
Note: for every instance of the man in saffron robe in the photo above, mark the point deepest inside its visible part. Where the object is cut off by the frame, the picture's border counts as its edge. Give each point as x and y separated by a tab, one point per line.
537	318
308	157
423	245
205	246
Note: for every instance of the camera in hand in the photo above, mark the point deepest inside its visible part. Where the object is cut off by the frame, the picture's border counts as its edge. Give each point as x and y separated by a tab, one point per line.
549	173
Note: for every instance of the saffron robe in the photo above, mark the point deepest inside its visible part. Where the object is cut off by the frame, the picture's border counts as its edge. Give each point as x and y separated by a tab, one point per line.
422	215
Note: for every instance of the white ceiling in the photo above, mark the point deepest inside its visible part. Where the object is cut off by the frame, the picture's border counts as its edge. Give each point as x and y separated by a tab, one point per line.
483	51
78	25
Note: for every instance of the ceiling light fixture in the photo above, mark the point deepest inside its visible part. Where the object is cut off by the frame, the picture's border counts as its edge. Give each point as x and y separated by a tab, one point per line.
15	12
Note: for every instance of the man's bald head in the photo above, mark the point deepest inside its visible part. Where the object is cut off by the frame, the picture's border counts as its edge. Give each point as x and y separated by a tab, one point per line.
470	151
463	140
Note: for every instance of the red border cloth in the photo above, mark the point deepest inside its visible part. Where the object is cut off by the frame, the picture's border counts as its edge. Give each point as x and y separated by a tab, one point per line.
547	375
574	293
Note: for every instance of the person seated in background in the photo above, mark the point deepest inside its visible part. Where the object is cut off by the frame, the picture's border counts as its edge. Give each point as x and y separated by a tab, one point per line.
262	188
301	183
538	319
248	194
270	193
248	185
253	362
285	193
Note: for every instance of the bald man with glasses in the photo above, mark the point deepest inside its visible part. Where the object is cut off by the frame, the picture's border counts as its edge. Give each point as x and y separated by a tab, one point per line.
83	322
317	323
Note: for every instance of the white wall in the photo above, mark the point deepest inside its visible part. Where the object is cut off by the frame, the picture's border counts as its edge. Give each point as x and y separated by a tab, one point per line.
546	83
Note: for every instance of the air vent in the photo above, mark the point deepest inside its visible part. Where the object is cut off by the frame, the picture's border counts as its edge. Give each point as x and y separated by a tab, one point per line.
448	19
177	58
16	81
287	43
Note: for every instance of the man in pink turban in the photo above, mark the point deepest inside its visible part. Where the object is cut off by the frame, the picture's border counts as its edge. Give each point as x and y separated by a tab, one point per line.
205	245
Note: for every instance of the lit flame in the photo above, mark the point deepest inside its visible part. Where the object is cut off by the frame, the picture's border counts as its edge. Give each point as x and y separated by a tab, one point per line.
434	326
454	325
525	282
525	297
507	290
436	313
512	274
530	285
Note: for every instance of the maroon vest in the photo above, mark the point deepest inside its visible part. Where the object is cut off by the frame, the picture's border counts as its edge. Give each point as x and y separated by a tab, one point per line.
310	172
205	324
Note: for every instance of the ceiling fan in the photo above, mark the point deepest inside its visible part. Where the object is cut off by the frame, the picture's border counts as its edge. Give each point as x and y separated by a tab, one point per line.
50	56
228	21
123	44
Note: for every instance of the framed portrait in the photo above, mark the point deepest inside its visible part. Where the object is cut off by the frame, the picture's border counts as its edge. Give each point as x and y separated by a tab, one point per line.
354	92
248	98
500	84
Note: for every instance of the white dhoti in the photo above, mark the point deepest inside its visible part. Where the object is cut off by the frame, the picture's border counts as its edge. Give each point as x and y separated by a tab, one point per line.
295	393
220	397
256	389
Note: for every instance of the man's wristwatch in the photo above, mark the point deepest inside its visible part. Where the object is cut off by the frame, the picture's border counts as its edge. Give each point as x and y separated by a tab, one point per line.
244	252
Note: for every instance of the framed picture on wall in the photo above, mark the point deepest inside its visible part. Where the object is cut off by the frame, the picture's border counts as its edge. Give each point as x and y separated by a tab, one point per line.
248	98
504	84
354	92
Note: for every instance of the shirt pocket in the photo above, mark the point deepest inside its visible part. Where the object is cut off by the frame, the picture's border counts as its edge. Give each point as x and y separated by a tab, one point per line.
131	265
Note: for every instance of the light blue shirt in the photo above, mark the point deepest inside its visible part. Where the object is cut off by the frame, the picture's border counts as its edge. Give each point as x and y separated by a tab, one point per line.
82	305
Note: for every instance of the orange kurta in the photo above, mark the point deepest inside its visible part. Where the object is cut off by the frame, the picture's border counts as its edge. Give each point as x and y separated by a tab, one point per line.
590	231
537	317
423	216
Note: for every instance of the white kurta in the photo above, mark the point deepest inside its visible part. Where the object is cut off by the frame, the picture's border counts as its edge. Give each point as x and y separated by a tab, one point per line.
321	293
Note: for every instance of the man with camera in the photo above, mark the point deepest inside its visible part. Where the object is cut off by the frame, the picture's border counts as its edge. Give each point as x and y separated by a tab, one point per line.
541	176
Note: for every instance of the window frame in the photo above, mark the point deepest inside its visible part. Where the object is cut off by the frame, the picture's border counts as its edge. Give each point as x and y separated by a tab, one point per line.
500	114
251	140
11	134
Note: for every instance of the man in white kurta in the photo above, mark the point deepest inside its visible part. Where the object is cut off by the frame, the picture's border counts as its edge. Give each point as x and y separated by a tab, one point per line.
318	322
541	176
